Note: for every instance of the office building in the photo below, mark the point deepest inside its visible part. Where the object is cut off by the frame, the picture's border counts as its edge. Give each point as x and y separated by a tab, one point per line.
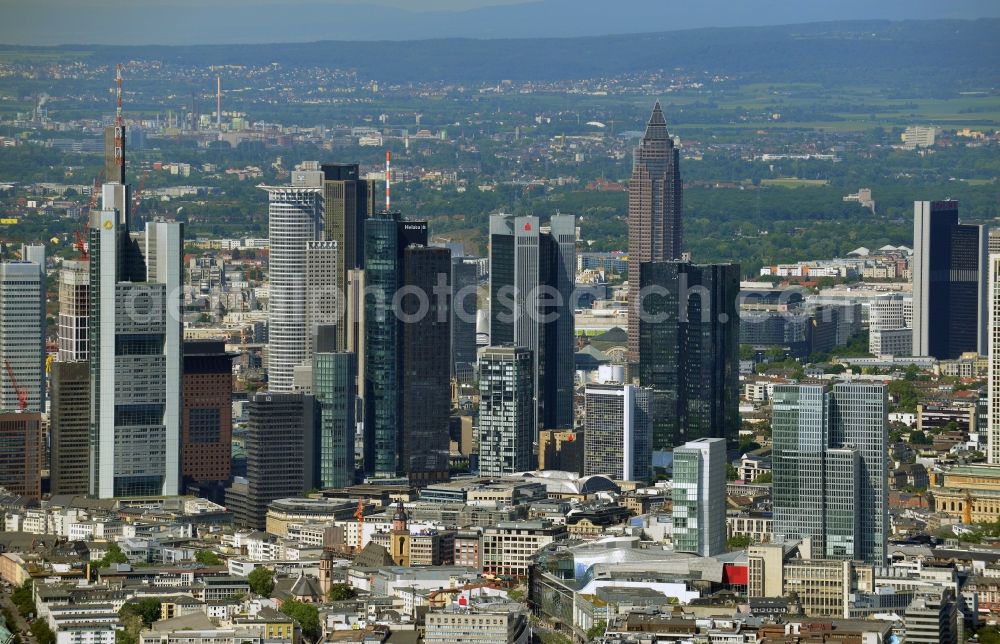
69	428
135	352
509	546
506	410
689	350
207	422
425	369
21	453
830	468
323	300
561	449
295	215
335	390
528	266
699	497
348	200
22	336
617	432
74	311
464	288
387	236
654	212
933	618
949	285
280	440
993	383
490	623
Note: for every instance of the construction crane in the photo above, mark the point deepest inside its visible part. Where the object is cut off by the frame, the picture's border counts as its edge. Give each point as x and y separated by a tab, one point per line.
22	395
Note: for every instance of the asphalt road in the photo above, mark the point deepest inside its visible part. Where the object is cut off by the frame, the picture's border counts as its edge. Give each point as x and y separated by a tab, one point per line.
20	623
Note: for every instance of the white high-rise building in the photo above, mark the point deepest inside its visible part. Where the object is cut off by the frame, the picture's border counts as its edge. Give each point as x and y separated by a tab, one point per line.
993	432
617	432
136	353
506	410
295	215
699	496
22	334
74	310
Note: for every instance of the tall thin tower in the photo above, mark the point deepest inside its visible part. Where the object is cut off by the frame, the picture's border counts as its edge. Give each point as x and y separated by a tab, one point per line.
654	212
218	102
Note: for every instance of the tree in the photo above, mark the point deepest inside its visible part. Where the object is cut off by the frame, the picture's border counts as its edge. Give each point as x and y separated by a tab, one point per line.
988	635
738	542
23	598
207	558
598	629
917	437
147	609
731	472
306	615
43	634
113	556
261	581
341	592
766	477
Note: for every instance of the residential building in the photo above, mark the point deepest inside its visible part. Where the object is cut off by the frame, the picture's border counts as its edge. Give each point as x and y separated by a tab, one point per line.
689	350
69	428
699	497
22	335
528	265
617	432
949	282
918	136
207	421
830	468
506	410
891	342
135	352
21	453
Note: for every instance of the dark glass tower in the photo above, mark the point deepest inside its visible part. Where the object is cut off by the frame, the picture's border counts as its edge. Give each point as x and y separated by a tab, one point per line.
425	373
386	238
207	417
654	211
335	390
348	200
689	350
949	282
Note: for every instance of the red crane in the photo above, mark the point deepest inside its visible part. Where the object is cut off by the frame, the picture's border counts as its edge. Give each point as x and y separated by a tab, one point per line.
22	395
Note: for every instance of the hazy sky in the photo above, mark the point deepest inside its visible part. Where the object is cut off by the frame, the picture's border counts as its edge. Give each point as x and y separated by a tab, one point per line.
185	22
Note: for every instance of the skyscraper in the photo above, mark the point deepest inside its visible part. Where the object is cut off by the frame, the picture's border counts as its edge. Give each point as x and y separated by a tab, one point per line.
617	432
689	350
348	200
830	468
294	219
506	410
654	212
335	390
207	419
993	385
464	285
280	441
699	497
21	453
949	282
69	428
322	297
22	334
425	367
135	352
387	236
532	277
74	310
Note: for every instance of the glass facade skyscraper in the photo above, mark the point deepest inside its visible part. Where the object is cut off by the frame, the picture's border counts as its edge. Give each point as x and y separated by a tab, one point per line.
506	410
699	497
335	391
617	431
830	468
689	350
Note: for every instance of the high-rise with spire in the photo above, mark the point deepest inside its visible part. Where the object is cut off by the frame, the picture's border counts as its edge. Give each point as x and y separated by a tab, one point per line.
654	212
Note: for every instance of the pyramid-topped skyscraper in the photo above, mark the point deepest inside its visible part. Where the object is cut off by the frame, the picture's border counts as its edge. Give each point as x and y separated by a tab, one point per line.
654	211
